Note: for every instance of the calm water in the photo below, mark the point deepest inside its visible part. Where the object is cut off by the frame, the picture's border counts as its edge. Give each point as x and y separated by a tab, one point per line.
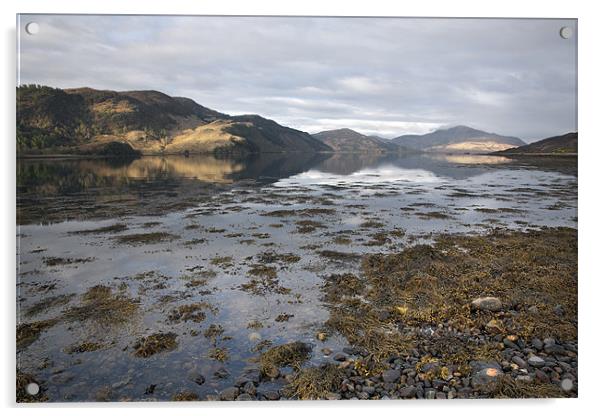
224	218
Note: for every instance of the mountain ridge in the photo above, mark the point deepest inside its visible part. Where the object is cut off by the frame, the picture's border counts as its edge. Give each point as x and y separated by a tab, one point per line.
346	140
458	139
89	121
565	144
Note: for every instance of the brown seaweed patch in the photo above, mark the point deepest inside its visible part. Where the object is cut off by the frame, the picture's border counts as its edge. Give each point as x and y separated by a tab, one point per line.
339	256
302	212
314	383
372	224
194	312
185	396
265	280
433	215
101	305
28	333
223	261
146	238
286	355
508	388
218	354
109	229
308	226
273	257
86	346
48	303
155	343
63	261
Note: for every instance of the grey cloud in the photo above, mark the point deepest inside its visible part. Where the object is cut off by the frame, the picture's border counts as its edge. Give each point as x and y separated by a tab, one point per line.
378	76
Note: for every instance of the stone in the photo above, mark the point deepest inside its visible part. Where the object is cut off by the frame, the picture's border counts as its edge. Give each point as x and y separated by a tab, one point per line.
333	396
229	394
241	381
198	379
524	378
549	341
536	361
391	376
488	303
407	392
536	343
253	374
495	326
250	388
566	384
430	394
554	349
254	336
339	356
485	379
326	351
519	361
322	336
244	397
271	395
441	396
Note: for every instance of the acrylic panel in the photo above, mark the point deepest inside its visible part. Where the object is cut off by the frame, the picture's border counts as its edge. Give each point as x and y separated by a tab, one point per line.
295	208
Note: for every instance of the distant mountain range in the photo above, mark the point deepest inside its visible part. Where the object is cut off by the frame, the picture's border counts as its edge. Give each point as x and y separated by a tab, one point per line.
89	121
458	139
350	141
558	145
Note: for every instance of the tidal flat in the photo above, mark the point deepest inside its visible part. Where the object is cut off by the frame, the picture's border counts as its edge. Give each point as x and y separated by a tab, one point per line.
297	277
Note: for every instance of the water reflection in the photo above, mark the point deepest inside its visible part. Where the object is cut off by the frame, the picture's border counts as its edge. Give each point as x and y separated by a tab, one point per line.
58	190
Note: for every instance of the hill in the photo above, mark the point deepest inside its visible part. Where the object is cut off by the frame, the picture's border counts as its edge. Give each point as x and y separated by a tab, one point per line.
557	145
350	141
89	121
459	139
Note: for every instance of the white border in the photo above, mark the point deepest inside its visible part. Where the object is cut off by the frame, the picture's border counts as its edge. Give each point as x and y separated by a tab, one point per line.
590	68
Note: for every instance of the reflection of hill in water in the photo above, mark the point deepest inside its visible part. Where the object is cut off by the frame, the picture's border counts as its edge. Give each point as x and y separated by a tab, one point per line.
450	166
442	165
56	190
206	169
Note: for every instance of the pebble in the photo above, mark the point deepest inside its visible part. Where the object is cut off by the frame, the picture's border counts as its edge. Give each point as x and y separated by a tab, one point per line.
485	378
487	304
339	356
537	344
250	388
271	395
407	392
391	376
244	397
519	361
333	396
230	393
524	378
254	336
536	361
430	394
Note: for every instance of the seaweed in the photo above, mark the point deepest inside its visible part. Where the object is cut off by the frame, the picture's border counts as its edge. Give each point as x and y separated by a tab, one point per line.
154	344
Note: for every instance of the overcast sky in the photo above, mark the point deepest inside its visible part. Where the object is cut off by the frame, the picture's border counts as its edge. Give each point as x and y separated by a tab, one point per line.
375	75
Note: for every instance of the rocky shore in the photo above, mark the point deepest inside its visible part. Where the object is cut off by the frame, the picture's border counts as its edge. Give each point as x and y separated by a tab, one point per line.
418	329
